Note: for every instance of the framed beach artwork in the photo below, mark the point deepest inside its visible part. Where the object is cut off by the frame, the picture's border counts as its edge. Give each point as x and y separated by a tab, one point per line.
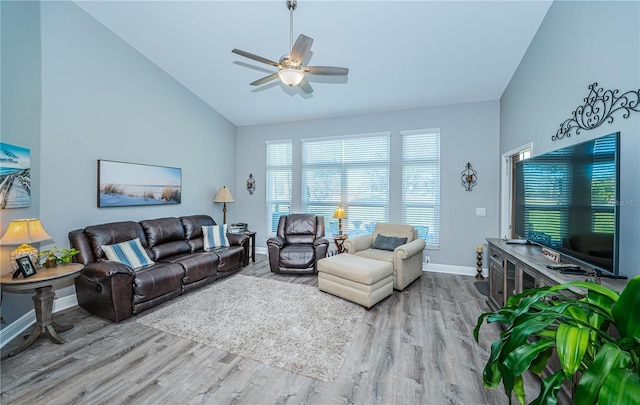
123	184
15	176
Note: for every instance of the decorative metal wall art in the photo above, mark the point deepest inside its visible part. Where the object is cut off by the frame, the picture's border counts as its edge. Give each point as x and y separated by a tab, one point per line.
251	184
599	107
469	177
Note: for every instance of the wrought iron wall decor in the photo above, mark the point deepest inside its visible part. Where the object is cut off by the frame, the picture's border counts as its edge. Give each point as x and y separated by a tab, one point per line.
251	184
469	177
599	107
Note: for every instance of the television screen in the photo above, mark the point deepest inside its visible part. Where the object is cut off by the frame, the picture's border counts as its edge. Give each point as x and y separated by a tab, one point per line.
566	201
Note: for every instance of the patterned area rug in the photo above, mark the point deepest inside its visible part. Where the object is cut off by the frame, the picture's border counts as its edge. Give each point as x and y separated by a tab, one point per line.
291	326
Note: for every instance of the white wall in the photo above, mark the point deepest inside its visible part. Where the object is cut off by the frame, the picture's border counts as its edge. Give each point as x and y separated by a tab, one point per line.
20	118
577	44
469	133
101	99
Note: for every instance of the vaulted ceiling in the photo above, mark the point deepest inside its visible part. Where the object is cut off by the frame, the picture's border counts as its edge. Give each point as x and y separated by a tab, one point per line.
401	54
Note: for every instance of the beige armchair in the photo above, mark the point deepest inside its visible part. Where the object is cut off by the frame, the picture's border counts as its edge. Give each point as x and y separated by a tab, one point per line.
406	258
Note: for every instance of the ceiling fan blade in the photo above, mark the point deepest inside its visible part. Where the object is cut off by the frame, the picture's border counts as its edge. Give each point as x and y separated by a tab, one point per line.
264	80
326	70
301	48
255	57
305	86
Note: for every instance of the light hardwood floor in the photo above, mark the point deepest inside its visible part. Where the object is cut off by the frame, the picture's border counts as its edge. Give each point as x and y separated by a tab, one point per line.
415	347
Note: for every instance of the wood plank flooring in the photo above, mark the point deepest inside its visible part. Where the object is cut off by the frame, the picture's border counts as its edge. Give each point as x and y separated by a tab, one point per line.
415	347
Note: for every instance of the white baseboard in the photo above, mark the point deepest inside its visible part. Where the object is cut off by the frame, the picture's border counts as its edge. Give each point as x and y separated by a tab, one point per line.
450	269
19	326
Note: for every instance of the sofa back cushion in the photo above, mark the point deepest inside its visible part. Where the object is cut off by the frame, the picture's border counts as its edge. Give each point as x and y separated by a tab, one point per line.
111	234
397	230
301	228
165	237
193	229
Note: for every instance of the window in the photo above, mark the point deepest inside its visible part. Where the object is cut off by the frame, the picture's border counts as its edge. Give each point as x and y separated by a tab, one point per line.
279	171
421	183
349	171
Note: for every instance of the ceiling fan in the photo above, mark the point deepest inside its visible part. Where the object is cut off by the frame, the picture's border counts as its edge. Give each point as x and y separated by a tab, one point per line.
290	68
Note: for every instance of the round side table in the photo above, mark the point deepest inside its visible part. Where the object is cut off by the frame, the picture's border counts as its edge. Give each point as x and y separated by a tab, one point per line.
43	283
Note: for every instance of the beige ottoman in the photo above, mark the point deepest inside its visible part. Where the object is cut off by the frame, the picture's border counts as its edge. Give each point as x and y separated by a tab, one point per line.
358	279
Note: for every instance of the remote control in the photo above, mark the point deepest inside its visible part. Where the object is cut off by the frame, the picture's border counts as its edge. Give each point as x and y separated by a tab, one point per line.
568	271
565	266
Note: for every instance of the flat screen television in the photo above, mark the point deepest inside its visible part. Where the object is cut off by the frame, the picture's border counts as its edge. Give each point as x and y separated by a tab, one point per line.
566	200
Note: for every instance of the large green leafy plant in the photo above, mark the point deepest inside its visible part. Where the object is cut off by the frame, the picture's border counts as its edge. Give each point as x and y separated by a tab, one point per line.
575	319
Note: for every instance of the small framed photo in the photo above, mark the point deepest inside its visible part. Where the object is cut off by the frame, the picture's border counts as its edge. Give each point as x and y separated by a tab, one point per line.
26	267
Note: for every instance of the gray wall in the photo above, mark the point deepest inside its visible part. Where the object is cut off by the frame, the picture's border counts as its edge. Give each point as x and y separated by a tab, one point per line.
577	44
101	99
469	133
20	117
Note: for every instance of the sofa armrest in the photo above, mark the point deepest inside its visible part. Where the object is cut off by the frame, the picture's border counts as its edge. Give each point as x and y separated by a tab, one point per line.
276	241
407	263
320	241
410	249
237	239
104	289
358	243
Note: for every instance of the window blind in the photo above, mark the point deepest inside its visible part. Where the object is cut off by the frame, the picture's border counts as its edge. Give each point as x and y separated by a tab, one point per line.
421	183
278	187
353	172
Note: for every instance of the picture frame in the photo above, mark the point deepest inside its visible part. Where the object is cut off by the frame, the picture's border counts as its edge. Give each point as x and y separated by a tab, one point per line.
15	175
25	266
122	184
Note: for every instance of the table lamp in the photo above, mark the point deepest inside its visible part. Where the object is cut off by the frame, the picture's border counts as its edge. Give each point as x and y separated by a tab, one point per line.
339	215
22	232
224	196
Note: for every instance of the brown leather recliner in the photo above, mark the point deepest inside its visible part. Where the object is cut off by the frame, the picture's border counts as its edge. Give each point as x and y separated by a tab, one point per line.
298	245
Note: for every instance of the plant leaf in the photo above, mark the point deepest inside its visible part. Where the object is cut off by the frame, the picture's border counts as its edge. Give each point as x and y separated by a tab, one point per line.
571	343
626	311
608	359
519	360
549	389
622	387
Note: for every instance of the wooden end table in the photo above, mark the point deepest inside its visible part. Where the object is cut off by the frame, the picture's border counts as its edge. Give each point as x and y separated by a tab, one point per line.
252	236
43	283
339	241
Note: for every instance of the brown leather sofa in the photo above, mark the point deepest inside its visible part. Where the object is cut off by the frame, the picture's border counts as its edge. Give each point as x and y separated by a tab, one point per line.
115	291
298	245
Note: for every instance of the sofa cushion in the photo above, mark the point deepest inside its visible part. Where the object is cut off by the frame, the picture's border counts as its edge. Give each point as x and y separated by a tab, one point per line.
215	236
165	237
388	242
112	233
130	253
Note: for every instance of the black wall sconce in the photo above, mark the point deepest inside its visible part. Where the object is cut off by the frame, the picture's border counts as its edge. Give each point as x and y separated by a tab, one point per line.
469	177
251	184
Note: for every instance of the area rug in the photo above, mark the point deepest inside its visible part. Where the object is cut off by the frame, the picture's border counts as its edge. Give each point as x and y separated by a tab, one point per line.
291	326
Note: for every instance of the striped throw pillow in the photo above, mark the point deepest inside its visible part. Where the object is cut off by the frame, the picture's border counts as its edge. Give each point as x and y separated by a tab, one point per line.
215	236
130	253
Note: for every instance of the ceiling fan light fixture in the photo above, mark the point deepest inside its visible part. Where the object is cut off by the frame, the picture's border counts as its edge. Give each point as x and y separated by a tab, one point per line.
290	76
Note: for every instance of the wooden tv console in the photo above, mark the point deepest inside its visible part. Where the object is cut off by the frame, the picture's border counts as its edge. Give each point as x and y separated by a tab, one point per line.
514	268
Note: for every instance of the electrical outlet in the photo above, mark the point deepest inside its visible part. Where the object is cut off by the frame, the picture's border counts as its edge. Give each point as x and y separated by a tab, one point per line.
427	259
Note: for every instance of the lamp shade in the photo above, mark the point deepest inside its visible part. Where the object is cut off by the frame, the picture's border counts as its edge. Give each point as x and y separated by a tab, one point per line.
24	231
339	214
224	195
291	76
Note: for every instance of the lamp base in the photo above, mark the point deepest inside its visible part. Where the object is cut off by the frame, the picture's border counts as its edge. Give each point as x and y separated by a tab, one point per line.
21	251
